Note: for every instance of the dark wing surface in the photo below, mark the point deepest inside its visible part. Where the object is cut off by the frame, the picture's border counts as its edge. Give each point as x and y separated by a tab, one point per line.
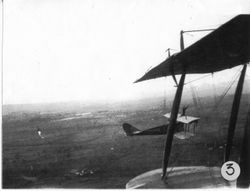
226	47
132	131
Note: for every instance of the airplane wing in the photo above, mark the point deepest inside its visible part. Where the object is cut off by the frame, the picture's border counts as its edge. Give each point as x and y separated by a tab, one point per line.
167	115
183	119
187	119
132	131
226	47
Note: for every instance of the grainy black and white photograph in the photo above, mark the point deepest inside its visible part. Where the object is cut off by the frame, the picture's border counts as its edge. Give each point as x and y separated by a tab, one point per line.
124	94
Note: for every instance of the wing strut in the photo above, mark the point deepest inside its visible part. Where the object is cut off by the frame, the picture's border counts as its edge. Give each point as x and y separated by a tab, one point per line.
173	117
244	179
182	48
234	113
172	68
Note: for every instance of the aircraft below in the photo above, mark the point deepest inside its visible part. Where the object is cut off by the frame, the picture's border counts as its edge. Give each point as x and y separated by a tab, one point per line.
184	125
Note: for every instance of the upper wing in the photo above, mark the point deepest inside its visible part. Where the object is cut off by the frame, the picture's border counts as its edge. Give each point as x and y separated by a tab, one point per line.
187	119
167	115
183	119
225	47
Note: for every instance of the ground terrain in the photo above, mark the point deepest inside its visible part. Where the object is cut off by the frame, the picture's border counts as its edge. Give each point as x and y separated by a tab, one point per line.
85	147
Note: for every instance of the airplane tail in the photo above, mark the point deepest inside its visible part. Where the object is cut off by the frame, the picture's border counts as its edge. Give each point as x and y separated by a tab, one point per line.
129	129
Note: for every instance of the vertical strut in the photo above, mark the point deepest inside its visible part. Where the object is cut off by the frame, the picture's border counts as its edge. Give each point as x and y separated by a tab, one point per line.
182	41
234	113
172	124
173	117
244	179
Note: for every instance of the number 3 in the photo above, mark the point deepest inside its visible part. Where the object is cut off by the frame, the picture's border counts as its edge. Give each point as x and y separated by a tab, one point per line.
230	170
229	166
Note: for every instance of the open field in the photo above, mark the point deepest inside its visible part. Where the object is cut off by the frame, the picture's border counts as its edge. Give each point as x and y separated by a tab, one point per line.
86	147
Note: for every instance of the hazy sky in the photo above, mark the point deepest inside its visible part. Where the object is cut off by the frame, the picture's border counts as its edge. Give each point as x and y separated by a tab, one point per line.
67	50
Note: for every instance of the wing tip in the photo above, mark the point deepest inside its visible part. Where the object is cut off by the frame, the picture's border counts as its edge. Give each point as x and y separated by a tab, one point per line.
137	81
140	79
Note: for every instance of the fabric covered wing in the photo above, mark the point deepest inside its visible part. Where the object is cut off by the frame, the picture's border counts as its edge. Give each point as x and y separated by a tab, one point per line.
226	47
183	119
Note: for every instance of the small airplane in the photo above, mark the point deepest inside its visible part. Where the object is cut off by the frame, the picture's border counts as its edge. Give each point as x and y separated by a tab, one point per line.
184	123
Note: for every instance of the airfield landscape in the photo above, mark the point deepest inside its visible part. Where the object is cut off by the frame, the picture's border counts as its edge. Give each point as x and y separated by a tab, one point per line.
84	146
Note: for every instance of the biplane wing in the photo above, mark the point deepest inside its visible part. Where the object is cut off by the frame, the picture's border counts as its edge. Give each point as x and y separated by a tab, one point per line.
132	131
225	47
183	119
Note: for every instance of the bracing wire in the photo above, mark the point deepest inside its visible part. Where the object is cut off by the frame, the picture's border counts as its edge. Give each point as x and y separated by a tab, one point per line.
195	100
227	90
223	94
197	79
